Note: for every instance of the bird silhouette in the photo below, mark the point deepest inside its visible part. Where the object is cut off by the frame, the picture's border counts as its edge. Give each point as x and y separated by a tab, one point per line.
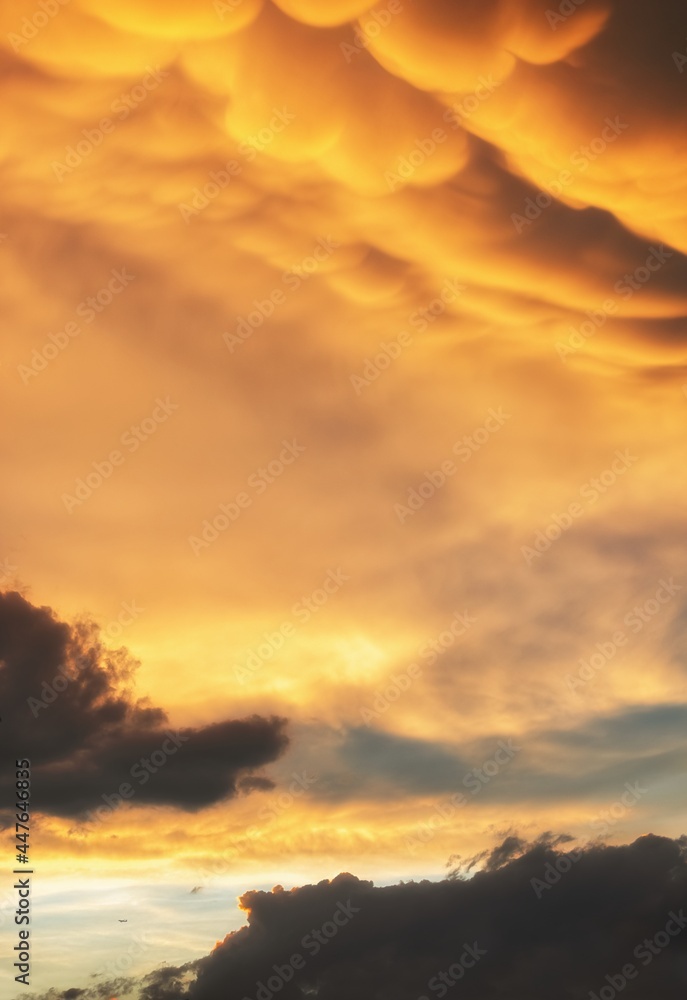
124	921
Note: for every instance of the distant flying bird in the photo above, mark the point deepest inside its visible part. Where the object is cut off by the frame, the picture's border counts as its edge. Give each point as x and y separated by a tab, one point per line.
197	888
124	921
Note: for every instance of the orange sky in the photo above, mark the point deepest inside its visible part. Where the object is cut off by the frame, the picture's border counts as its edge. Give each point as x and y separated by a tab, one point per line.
397	287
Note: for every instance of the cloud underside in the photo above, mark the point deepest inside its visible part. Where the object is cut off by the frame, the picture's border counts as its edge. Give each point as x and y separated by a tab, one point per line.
556	157
75	717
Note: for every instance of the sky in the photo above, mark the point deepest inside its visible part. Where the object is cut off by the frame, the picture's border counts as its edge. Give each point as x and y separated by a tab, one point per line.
342	538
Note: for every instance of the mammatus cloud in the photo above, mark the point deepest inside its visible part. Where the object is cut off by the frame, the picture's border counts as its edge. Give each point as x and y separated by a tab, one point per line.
535	923
482	143
75	717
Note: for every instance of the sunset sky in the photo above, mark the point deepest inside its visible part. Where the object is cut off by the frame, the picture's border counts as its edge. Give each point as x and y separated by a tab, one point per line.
344	393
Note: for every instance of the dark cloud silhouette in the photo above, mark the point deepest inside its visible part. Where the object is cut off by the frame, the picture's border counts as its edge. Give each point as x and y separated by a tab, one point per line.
75	717
538	921
550	924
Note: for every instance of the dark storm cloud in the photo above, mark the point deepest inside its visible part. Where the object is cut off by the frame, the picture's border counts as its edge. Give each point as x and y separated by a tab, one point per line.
74	716
543	924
